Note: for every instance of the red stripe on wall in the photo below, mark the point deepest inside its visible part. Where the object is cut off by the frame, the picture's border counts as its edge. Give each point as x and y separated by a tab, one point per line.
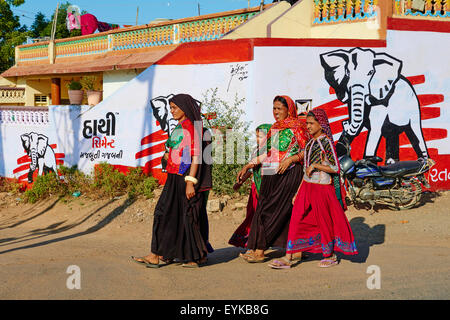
418	25
23	159
430	113
21	168
427	99
416	79
155	137
222	51
434	134
149	151
332	109
210	52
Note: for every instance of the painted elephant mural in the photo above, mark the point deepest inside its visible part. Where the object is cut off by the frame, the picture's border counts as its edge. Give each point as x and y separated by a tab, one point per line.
161	112
379	98
41	154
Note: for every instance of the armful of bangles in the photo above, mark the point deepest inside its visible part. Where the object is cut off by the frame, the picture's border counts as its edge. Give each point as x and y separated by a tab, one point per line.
190	179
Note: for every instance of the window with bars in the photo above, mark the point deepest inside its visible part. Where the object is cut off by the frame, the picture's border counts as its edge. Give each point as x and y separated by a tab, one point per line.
40	100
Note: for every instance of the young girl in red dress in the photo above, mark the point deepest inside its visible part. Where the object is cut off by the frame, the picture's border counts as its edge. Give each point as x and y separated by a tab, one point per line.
318	222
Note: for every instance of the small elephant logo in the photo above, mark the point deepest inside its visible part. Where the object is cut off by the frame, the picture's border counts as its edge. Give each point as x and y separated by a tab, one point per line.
160	107
379	98
41	154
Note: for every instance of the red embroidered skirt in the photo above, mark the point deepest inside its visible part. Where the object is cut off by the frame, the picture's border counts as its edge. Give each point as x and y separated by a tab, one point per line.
318	222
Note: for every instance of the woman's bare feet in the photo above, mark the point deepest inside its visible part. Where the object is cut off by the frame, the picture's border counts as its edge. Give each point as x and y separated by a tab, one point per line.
195	264
151	258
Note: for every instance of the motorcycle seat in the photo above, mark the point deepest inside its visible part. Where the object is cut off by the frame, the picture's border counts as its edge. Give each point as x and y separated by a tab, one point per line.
401	168
374	159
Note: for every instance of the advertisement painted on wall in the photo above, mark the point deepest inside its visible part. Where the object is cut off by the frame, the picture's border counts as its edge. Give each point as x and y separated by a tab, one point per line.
388	100
29	151
130	128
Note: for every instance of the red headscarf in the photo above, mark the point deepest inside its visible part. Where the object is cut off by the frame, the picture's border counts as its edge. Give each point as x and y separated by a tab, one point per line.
322	118
292	122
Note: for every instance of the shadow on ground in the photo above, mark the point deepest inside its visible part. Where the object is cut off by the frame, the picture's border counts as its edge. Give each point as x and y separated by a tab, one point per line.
53	229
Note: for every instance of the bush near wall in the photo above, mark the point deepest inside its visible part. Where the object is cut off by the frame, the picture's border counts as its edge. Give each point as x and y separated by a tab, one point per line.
228	117
106	182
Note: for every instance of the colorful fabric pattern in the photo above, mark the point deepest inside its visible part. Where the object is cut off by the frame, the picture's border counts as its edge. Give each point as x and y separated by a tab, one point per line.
318	223
259	150
314	244
322	118
320	151
181	148
286	137
292	122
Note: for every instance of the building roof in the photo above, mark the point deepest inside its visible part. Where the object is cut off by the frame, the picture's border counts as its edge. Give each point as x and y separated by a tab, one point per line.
102	62
126	48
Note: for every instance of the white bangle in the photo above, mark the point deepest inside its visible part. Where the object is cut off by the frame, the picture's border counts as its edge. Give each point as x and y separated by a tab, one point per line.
191	179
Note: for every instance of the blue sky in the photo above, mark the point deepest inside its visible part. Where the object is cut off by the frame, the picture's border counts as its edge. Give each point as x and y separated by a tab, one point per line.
124	11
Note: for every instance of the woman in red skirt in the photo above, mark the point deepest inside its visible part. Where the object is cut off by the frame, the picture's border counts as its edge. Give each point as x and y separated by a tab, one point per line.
318	222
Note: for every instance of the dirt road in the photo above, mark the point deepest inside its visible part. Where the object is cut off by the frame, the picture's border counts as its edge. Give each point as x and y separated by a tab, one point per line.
39	242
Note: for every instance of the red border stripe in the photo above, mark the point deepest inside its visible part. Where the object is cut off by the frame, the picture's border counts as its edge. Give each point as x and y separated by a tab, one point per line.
418	25
222	51
267	42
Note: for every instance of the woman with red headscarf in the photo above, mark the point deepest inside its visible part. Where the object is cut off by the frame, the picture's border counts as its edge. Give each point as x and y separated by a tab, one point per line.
281	176
318	223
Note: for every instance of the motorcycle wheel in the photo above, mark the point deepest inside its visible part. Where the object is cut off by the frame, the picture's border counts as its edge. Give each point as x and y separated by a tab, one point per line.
410	195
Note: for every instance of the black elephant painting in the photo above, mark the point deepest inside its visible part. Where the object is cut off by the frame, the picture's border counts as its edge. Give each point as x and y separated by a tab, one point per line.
41	154
379	98
161	112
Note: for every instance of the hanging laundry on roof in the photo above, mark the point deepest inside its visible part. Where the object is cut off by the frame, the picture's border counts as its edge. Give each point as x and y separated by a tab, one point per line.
88	23
73	21
105	26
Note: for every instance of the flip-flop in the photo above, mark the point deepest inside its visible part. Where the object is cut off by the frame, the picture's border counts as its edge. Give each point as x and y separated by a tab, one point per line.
283	263
187	265
245	254
331	264
145	262
167	262
194	265
254	259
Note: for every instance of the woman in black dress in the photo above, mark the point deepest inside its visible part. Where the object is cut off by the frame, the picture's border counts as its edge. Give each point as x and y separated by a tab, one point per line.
180	225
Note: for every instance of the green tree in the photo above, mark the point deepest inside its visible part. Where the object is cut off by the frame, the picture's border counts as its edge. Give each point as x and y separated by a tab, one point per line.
11	33
227	155
39	25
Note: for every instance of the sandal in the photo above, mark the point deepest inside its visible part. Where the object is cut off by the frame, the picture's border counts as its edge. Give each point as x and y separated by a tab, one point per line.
252	258
166	262
328	262
195	264
283	263
246	253
143	261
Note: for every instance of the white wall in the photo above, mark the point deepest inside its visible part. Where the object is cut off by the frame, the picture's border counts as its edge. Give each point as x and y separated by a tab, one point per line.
114	80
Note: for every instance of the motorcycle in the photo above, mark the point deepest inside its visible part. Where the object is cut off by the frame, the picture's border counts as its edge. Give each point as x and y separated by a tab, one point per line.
398	185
